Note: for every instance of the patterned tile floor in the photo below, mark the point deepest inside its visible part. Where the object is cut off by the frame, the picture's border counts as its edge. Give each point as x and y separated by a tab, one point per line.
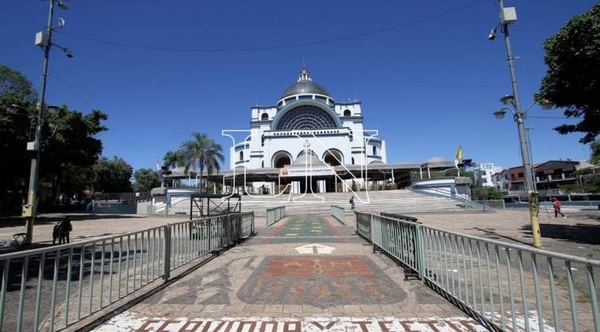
301	274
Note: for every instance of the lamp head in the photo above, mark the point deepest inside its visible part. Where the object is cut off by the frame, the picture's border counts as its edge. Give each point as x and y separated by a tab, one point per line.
508	99
546	104
492	34
68	53
52	109
61	4
499	114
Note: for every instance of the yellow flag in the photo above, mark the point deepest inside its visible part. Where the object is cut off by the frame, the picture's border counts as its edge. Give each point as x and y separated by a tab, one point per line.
459	153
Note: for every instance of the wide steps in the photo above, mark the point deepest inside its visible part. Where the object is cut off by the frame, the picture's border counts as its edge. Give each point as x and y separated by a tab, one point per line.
394	201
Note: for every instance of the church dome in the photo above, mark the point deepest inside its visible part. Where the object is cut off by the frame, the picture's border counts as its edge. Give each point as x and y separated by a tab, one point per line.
304	85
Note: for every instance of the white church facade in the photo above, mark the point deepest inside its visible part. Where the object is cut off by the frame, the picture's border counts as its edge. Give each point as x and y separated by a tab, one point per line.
309	139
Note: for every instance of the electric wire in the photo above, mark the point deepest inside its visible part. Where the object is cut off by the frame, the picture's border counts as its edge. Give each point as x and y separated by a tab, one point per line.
78	95
254	49
64	81
276	47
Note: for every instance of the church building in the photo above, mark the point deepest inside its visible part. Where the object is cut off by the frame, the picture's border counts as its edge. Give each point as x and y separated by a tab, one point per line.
311	142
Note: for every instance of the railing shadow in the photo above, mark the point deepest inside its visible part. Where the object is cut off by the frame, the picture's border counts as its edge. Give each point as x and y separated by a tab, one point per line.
578	233
79	265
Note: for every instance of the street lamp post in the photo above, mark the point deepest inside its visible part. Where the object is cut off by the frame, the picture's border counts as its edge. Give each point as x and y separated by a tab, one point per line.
528	130
508	16
44	40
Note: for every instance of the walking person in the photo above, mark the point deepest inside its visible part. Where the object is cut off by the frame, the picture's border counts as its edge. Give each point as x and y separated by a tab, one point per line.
556	204
351	203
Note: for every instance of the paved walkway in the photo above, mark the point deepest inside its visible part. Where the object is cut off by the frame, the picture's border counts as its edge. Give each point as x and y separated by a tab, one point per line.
309	273
302	274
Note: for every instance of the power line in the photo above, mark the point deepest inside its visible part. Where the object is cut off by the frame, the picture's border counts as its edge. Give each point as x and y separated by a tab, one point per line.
121	135
71	88
275	47
547	117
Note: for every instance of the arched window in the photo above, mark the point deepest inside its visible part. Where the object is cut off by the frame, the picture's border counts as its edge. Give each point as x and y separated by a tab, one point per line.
332	157
374	150
281	161
264	117
262	164
306	117
347	113
352	160
241	155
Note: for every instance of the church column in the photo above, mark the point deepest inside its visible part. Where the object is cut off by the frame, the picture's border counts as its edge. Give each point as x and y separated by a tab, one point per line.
335	183
322	187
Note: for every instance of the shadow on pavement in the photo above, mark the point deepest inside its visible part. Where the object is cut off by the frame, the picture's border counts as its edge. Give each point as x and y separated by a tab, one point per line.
12	221
578	233
491	233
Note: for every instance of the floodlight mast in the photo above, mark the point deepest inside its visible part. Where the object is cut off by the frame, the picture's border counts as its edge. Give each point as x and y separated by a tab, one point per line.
508	16
44	40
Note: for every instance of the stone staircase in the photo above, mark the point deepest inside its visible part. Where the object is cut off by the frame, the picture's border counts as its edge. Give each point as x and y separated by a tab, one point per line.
392	201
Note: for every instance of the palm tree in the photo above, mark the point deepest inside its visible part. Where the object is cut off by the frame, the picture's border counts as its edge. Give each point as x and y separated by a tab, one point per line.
202	152
174	159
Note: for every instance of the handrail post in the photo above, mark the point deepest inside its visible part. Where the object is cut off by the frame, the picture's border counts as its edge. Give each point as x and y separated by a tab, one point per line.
209	234
167	253
371	216
229	230
420	248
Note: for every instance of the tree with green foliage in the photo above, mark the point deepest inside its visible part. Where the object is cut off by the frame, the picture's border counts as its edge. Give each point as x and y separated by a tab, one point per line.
174	159
595	155
202	153
15	132
16	129
588	179
16	85
111	176
485	193
573	77
145	179
69	147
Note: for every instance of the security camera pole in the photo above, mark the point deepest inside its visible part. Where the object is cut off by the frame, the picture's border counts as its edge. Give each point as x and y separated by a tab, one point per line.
508	16
44	40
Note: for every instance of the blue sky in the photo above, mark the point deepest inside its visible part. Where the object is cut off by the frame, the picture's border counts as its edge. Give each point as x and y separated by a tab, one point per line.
425	72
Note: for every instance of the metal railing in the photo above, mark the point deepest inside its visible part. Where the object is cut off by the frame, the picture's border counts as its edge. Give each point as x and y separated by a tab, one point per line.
53	288
123	197
496	204
467	204
339	213
504	286
363	225
275	214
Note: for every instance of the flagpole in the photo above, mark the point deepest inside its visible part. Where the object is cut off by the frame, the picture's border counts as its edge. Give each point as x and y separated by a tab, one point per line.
160	174
457	159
